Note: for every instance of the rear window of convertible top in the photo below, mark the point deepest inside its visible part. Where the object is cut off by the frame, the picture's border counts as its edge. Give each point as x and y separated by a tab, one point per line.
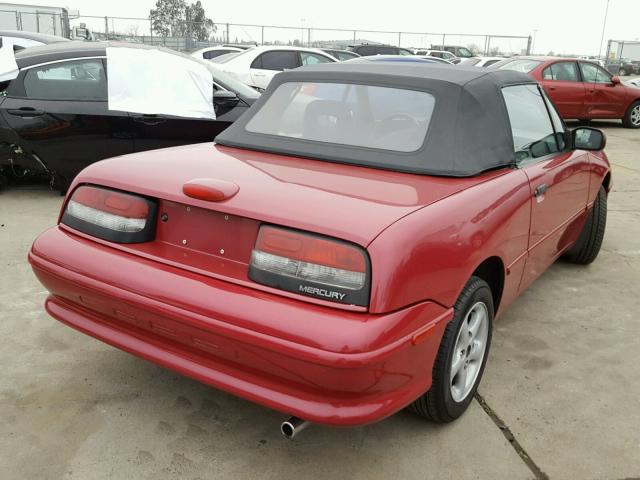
347	114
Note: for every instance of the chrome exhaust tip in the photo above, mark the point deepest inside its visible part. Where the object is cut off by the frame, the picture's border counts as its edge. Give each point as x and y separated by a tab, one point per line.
290	428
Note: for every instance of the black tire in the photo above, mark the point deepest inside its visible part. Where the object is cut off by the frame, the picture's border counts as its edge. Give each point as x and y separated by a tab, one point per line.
588	245
59	183
622	72
438	404
626	121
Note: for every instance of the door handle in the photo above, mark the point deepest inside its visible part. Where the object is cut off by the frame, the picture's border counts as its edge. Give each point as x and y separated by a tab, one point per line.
540	190
552	88
149	119
25	112
258	74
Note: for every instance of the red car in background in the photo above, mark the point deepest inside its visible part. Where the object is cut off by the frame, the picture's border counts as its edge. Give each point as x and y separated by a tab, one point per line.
341	251
581	89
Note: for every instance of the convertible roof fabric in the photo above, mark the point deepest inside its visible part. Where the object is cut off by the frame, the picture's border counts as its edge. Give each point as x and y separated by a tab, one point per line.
469	131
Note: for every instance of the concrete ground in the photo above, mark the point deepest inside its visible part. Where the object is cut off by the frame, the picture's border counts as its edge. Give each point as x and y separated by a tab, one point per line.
560	396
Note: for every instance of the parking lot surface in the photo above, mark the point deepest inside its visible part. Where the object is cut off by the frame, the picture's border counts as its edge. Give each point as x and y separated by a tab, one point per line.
559	399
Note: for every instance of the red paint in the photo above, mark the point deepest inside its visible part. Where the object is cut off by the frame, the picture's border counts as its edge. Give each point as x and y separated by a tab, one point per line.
185	301
210	189
585	100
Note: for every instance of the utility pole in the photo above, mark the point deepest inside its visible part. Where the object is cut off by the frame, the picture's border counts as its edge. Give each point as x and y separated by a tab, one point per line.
604	26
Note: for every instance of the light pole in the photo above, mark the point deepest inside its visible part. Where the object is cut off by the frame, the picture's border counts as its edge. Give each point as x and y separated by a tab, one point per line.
302	20
533	41
604	25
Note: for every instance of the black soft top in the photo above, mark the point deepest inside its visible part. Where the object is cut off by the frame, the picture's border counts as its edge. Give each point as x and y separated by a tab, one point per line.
469	131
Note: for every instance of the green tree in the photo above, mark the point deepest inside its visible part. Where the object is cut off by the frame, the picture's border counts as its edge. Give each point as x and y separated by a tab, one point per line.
199	26
178	19
168	16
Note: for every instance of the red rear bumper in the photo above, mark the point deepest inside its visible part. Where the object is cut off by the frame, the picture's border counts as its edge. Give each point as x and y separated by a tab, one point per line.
322	364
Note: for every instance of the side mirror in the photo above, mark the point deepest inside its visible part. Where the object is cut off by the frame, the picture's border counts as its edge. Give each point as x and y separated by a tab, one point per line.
615	80
586	138
224	97
224	101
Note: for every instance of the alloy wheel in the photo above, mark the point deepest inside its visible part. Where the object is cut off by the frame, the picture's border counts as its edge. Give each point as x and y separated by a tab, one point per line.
635	115
470	349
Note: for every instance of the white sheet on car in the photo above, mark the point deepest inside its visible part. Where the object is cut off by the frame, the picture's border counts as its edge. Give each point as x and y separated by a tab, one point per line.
8	66
156	82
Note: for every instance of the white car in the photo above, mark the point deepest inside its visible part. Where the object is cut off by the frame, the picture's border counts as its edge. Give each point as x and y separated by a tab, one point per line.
208	53
257	66
442	54
481	61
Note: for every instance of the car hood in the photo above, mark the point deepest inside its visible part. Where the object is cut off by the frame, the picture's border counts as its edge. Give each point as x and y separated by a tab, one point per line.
344	201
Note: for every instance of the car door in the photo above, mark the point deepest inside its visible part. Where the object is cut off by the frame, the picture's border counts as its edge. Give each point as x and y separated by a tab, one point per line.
59	112
160	131
604	99
562	82
265	66
558	177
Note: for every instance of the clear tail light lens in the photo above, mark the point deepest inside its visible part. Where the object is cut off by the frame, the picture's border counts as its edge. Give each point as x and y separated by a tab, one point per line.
311	265
111	215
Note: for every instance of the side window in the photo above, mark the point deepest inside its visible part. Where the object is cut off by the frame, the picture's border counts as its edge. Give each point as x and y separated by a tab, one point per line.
72	80
594	74
278	60
312	58
562	71
387	51
558	124
404	51
488	63
215	53
366	51
533	134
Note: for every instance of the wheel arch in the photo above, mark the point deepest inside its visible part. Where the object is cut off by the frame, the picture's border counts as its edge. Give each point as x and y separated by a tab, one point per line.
492	271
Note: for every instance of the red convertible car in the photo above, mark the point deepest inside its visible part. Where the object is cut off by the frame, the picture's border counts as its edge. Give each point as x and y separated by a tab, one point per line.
581	89
341	251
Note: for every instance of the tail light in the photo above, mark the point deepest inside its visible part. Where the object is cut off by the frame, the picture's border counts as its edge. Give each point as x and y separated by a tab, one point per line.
111	215
311	265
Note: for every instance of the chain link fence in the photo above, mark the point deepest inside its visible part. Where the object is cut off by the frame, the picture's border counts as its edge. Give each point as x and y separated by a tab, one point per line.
40	22
140	30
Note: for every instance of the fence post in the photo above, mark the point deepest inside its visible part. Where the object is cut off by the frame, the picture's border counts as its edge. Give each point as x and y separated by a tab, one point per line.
151	30
444	39
309	37
262	35
37	22
227	33
106	27
529	46
608	51
399	38
354	37
18	20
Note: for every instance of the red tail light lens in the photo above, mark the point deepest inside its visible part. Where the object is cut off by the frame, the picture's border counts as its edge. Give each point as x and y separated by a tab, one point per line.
111	215
311	265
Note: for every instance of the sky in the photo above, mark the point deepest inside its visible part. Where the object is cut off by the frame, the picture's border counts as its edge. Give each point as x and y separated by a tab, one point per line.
561	26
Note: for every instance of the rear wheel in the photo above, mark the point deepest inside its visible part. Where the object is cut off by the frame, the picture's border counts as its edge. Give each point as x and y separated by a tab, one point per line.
587	247
632	117
622	72
462	356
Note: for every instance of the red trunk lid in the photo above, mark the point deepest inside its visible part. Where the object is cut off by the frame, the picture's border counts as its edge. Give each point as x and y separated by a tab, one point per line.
216	238
348	202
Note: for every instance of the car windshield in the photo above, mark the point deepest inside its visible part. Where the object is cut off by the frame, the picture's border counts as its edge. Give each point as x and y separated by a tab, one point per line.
464	52
520	65
232	84
347	114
